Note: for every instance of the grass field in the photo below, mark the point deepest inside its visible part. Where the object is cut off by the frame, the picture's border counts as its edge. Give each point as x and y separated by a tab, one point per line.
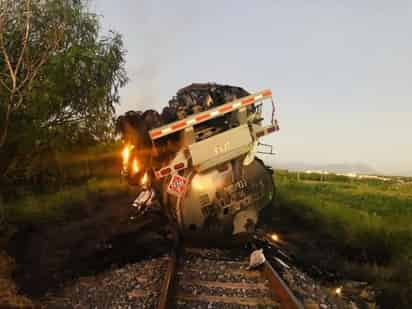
65	205
369	217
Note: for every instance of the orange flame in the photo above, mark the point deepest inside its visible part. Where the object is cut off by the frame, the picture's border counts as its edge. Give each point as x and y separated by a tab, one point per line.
274	237
145	179
135	166
338	291
126	154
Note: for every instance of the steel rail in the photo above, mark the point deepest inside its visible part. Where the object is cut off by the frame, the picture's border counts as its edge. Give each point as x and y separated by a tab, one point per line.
284	295
168	284
281	291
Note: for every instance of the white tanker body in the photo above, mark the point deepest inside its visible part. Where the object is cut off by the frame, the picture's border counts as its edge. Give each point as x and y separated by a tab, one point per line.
203	166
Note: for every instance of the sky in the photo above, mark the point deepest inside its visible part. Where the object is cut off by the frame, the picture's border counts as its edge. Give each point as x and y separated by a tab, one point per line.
340	71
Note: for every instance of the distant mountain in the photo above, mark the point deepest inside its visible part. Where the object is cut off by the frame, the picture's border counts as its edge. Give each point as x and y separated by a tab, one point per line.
358	168
402	173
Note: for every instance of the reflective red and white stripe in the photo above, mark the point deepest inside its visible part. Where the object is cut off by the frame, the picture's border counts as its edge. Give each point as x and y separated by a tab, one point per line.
171	169
209	114
267	130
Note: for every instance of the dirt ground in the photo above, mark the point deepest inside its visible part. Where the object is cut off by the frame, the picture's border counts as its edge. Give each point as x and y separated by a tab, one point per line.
42	258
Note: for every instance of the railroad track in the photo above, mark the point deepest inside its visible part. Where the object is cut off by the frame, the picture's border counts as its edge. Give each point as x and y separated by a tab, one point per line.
213	278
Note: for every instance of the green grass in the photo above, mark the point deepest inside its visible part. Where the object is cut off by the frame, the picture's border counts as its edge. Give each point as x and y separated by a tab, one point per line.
362	217
372	218
64	205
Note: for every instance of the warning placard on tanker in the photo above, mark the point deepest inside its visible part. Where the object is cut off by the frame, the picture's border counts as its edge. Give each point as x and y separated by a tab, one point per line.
177	185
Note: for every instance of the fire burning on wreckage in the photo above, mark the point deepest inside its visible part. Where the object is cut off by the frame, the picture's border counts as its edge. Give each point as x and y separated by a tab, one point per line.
196	159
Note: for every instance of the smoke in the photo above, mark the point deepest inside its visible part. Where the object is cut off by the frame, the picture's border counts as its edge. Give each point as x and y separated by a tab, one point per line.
155	43
155	35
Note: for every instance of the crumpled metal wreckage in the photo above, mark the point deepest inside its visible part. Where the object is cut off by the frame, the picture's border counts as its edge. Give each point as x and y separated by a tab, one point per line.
145	199
197	159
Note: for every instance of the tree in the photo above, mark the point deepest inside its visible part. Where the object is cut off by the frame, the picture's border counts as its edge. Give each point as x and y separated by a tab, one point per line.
67	83
25	45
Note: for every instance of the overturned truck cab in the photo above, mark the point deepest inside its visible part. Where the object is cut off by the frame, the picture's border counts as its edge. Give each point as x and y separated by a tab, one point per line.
199	156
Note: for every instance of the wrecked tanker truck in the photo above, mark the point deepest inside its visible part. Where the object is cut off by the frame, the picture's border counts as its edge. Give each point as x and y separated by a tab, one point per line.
197	160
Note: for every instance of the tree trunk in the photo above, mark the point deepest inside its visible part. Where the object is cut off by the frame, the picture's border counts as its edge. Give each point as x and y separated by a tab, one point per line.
3	137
